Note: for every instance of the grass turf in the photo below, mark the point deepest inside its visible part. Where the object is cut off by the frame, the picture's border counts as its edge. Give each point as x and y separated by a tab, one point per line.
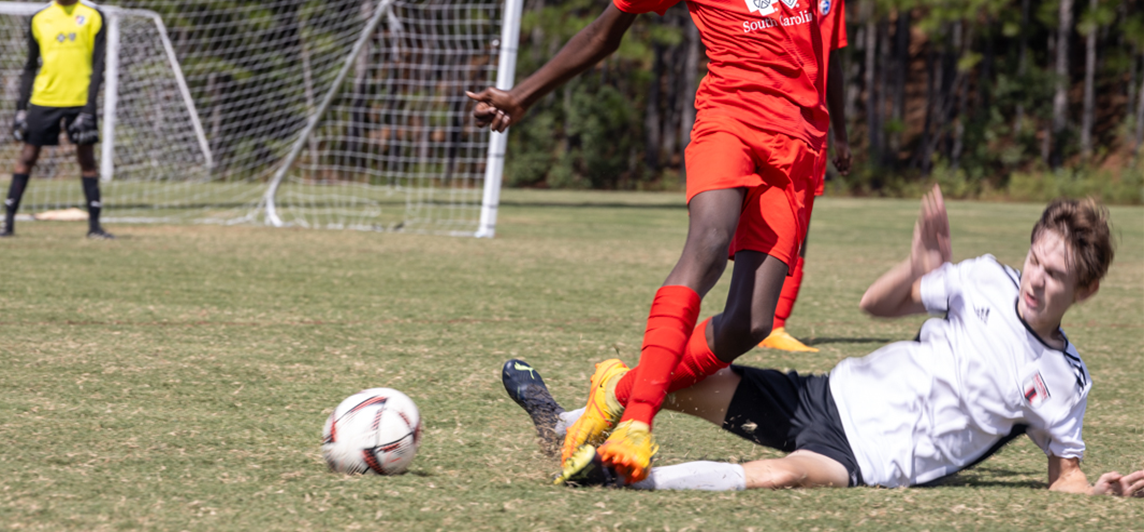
178	378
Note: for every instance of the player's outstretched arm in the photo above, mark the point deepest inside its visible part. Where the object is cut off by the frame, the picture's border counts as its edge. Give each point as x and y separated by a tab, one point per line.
836	104
898	291
1065	475
498	109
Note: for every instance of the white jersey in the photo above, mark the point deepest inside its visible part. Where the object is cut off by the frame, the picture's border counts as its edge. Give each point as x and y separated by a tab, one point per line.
918	411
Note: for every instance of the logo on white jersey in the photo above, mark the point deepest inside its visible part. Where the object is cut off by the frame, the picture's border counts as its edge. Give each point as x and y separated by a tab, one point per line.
764	7
824	7
1035	390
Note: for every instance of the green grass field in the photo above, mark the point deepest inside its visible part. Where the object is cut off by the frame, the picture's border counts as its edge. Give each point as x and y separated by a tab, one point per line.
178	378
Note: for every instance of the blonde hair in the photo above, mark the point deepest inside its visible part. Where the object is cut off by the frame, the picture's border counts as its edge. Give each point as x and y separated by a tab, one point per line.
1083	224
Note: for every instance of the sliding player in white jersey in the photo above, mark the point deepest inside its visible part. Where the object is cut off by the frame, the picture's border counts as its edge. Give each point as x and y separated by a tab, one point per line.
995	365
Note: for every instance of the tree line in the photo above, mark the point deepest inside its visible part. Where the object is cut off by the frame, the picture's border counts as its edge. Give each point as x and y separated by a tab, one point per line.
1019	98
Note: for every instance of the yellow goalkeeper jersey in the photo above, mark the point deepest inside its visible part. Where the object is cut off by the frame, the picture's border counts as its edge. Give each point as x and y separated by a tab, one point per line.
69	43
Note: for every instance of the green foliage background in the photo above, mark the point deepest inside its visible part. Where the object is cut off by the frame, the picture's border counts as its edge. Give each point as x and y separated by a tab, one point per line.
592	133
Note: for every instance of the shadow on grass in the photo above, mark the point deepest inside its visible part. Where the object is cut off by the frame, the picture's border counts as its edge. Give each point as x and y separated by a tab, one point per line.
817	341
987	477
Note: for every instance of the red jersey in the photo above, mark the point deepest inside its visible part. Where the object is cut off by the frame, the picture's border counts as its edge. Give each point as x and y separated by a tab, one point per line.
766	61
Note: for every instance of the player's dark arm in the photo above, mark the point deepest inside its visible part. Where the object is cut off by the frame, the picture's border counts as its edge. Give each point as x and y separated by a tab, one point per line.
836	104
898	291
98	55
28	76
497	109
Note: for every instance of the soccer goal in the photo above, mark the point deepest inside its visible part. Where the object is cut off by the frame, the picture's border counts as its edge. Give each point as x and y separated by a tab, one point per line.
340	114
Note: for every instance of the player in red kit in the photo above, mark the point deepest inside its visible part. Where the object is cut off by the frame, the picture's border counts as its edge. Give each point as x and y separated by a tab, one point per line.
834	37
761	123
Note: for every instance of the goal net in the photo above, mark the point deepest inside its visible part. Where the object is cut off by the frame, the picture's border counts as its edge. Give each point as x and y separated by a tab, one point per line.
311	113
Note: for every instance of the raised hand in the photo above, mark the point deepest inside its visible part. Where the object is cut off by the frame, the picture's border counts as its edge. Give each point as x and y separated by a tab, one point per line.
931	246
495	108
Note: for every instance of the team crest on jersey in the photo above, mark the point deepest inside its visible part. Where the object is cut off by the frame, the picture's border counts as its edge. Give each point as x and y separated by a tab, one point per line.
80	19
1035	390
791	3
763	7
824	7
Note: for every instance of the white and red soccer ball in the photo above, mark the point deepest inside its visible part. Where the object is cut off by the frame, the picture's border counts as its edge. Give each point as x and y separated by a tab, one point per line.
375	431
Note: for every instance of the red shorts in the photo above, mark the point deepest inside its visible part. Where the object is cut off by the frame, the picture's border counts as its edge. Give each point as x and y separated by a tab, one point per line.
777	170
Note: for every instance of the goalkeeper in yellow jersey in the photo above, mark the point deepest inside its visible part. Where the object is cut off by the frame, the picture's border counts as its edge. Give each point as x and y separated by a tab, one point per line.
60	83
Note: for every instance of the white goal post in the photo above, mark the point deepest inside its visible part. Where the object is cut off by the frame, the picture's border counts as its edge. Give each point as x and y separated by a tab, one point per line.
111	88
340	114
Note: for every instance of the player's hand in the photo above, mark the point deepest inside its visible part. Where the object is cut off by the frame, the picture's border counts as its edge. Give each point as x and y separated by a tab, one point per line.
842	156
931	247
1130	485
495	108
20	126
83	130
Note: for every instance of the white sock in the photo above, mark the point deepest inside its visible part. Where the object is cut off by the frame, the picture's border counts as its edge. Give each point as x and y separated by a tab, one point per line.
566	420
710	476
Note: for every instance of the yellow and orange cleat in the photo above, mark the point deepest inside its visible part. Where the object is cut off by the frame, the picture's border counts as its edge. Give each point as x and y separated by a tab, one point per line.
629	450
780	339
602	412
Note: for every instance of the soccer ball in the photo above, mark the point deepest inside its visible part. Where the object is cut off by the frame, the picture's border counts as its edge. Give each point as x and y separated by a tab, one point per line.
375	431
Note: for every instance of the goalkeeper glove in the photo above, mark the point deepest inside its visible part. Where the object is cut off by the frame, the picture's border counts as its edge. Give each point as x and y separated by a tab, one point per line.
20	126
83	131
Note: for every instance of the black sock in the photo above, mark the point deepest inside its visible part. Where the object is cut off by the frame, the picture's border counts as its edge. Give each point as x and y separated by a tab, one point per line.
91	192
15	192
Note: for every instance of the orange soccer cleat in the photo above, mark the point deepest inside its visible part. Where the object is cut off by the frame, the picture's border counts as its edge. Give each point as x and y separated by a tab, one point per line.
629	450
780	339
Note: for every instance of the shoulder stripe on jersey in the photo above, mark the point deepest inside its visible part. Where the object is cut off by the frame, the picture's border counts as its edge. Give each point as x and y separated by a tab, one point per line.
1014	275
1075	362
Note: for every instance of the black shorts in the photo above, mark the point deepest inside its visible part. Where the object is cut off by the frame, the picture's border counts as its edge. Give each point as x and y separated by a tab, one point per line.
44	124
789	412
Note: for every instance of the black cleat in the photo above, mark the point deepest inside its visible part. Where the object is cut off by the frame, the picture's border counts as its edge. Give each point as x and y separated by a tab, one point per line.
6	233
100	234
585	468
527	389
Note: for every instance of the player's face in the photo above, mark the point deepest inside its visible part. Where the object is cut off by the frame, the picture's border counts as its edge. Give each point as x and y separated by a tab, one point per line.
1048	286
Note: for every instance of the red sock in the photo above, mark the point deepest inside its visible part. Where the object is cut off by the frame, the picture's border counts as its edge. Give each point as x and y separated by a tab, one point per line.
697	363
789	294
669	324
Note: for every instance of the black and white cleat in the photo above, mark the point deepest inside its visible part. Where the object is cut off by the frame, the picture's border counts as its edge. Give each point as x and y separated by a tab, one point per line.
527	389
